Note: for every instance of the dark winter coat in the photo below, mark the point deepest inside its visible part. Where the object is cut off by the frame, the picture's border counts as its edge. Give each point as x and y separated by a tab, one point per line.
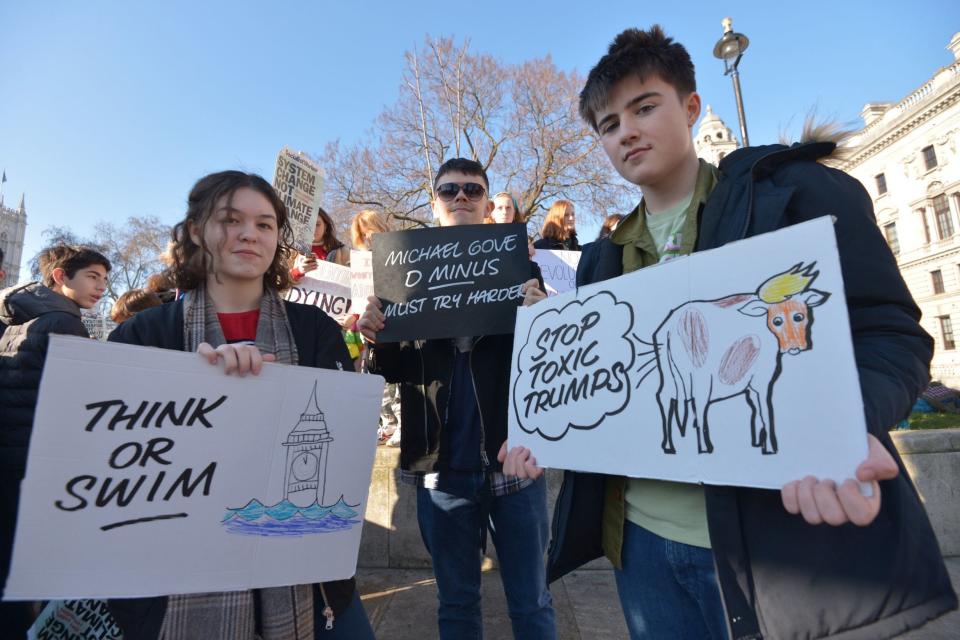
424	369
319	344
553	244
29	314
780	577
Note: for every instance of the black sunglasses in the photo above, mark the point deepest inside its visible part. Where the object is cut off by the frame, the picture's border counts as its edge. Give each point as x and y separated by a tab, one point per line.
449	190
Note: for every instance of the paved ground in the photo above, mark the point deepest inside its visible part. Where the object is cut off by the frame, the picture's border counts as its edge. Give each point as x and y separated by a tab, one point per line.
401	604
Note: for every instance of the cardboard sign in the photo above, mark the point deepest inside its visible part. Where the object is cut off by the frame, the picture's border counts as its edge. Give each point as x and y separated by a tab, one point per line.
450	281
326	287
151	472
559	269
299	183
361	278
733	366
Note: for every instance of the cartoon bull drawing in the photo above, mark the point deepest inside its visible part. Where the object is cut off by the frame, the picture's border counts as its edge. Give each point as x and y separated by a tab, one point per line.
712	350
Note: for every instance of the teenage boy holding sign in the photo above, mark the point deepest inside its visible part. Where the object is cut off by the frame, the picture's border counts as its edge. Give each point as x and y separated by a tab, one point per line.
453	403
817	559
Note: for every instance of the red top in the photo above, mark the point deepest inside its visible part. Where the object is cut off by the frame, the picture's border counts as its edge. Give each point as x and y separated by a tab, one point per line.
240	327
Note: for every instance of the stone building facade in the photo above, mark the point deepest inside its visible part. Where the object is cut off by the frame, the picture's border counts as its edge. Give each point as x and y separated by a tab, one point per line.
13	226
907	156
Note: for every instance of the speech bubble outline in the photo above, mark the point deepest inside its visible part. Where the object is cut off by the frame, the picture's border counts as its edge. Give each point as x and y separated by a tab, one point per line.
598	299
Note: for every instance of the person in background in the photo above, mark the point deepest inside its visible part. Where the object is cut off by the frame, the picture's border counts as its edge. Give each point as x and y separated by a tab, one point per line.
74	278
325	247
132	302
559	230
362	227
229	260
454	401
505	208
609	224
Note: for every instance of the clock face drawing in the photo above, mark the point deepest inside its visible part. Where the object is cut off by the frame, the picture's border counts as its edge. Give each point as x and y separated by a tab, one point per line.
305	466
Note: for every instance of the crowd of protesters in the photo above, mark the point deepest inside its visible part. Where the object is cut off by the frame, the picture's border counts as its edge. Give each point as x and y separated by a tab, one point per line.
812	560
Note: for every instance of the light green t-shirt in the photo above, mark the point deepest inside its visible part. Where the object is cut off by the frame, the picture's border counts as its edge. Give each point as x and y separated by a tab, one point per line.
673	510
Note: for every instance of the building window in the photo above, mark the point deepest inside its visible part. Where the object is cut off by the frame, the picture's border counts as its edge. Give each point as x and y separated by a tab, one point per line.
937	278
946	330
890	231
929	157
719	135
941	214
926	227
881	183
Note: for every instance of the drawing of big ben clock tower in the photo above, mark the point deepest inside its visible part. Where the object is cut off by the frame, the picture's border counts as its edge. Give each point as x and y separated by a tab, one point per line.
307	452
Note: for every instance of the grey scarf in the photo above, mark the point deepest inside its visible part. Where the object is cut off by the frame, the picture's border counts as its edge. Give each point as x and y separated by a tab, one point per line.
286	613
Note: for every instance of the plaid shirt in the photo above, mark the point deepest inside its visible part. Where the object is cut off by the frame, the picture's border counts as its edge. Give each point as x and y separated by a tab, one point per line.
500	485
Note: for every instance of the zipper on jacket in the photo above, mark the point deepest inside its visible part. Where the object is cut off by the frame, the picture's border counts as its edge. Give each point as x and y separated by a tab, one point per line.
483	429
327	609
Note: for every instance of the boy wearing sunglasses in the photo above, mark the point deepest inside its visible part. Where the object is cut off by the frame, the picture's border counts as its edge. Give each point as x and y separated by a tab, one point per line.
453	403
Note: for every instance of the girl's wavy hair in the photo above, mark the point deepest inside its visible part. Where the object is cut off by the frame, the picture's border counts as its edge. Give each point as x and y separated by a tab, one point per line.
553	226
191	263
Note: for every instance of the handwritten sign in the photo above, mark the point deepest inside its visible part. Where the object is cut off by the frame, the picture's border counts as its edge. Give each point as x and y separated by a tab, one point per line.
731	366
559	269
129	486
450	281
361	278
326	287
299	182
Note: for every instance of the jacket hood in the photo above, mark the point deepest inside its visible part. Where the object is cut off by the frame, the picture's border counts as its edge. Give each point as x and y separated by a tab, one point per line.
764	160
23	303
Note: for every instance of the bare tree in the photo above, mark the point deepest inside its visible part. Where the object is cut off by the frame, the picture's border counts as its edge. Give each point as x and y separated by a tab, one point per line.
133	248
519	121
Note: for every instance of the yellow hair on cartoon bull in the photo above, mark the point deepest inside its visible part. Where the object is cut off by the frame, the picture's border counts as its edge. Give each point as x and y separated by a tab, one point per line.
794	280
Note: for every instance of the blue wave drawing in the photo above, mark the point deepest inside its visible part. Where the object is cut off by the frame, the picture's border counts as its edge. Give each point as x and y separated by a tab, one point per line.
287	519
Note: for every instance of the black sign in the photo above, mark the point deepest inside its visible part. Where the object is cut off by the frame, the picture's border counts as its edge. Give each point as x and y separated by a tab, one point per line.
450	281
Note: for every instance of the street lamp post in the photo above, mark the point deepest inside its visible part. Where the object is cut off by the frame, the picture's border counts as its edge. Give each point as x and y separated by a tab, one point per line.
730	49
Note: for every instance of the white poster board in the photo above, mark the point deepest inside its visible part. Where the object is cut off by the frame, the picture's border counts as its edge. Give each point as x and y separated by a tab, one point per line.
708	368
361	278
299	182
326	287
152	473
559	269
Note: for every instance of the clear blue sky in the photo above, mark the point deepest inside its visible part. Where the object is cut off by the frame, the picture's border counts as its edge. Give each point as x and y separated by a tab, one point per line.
115	109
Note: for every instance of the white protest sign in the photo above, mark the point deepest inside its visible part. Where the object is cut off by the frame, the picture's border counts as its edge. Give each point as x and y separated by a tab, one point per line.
299	182
708	368
151	473
75	620
361	278
559	269
326	287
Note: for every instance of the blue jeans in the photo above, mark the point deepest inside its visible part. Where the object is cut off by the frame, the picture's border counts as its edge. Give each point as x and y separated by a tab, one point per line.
668	589
451	519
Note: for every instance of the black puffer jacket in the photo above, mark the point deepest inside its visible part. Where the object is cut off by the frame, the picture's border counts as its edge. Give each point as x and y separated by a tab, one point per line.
29	314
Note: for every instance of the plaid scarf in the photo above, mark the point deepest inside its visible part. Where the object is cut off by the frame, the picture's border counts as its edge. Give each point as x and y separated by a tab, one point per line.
285	613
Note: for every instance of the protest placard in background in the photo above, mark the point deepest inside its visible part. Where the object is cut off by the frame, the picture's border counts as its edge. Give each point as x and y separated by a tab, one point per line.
326	287
559	269
731	366
450	281
361	278
150	472
299	183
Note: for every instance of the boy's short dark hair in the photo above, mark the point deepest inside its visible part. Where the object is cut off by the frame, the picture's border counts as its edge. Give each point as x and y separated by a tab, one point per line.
70	258
642	54
468	167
